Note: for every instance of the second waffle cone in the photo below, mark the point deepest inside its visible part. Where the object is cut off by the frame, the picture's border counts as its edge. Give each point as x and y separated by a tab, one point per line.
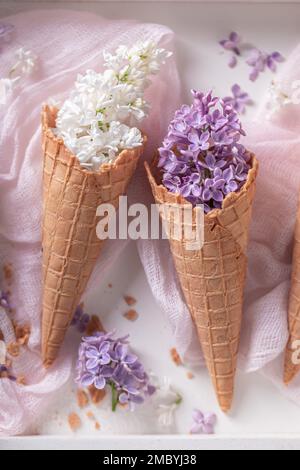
213	279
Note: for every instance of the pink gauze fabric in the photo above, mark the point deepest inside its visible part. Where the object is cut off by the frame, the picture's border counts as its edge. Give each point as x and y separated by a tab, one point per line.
66	44
265	331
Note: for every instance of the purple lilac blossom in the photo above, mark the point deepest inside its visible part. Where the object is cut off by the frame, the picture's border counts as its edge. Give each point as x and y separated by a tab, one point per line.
204	423
106	361
239	99
80	319
5	300
201	157
232	44
259	61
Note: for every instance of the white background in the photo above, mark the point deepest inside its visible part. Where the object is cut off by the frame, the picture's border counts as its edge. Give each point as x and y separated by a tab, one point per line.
258	407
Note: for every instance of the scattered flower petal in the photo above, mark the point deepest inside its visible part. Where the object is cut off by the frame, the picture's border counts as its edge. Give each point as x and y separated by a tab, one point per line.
204	423
239	99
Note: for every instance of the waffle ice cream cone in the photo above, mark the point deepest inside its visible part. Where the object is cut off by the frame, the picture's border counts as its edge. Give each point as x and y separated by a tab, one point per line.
213	279
291	369
70	243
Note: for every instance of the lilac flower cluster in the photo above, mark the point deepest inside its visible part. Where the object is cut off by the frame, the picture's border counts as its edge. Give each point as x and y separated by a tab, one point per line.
239	99
259	61
105	361
201	157
80	320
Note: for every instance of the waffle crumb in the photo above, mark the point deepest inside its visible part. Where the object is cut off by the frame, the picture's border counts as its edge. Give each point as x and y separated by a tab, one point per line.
131	315
8	273
22	334
74	422
130	300
190	375
21	380
94	326
97	426
97	396
82	399
175	357
13	349
90	415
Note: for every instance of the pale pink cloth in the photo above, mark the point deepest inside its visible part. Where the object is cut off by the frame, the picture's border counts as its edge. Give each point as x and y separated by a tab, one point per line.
264	333
66	44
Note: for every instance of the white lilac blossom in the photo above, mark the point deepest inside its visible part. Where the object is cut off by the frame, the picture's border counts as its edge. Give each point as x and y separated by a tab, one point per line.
105	361
166	401
276	99
239	99
100	118
201	157
25	64
203	423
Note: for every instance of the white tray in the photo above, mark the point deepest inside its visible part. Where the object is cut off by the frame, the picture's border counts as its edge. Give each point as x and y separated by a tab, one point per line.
262	418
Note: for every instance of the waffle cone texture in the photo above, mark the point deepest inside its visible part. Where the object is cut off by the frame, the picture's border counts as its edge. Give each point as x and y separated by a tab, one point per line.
291	369
213	278
70	244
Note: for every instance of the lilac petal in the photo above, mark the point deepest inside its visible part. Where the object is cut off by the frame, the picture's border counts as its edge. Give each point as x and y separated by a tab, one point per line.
232	63
196	191
100	383
130	359
197	416
130	389
196	429
217	195
92	363
235	37
107	372
271	64
123	398
210	418
92	352
138	399
105	359
87	380
219	184
206	195
254	75
208	429
277	56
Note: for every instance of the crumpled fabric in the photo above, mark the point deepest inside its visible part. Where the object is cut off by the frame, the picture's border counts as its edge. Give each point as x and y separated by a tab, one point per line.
66	44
